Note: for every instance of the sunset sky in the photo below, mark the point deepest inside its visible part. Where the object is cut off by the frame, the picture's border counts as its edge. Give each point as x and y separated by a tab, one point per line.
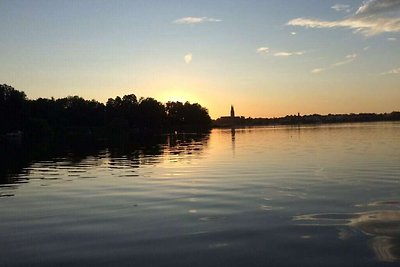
268	58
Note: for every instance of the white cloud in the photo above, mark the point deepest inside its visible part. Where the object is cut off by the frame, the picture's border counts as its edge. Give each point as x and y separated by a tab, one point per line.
367	26
348	59
341	8
374	7
392	39
263	50
195	20
393	71
288	54
317	70
188	58
293	33
373	17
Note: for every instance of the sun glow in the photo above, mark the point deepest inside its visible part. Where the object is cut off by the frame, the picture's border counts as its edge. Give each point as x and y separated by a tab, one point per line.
176	95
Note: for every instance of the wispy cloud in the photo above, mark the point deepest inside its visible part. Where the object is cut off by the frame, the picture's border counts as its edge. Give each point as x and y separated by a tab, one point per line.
293	33
392	39
341	8
195	20
372	17
266	50
317	70
288	54
375	7
348	59
262	50
188	58
393	71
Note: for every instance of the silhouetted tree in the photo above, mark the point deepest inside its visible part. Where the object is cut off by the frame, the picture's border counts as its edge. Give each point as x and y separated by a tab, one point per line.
187	115
81	112
13	109
152	113
175	113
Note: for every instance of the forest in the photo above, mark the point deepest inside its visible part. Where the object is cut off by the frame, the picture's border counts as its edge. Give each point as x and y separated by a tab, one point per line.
44	118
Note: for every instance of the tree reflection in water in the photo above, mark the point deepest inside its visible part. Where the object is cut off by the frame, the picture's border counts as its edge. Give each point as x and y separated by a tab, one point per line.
143	150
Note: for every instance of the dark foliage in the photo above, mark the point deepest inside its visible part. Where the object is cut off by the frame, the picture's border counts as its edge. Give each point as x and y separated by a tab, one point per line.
74	116
13	109
187	115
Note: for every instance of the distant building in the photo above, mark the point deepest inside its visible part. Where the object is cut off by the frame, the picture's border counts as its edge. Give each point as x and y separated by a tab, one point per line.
230	121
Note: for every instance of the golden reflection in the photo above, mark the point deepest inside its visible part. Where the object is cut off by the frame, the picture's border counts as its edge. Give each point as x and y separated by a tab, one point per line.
382	225
233	136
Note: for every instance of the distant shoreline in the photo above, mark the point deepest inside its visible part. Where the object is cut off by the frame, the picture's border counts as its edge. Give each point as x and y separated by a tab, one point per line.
314	119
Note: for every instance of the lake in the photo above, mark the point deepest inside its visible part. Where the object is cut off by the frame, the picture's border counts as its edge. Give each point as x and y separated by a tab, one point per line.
324	195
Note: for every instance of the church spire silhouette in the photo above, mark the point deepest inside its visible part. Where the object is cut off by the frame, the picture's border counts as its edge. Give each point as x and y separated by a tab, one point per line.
232	112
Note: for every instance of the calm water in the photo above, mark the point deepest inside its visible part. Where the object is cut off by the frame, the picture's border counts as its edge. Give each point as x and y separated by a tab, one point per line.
284	196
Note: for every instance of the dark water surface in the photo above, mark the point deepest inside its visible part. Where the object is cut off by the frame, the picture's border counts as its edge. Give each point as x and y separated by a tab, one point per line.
283	196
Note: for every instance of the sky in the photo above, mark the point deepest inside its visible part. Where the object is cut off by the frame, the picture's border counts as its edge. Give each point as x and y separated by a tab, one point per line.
268	58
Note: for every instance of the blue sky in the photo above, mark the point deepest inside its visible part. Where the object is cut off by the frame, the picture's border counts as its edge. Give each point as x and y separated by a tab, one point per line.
268	58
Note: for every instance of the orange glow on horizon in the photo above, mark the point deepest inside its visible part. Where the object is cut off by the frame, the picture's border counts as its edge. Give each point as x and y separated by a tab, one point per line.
178	95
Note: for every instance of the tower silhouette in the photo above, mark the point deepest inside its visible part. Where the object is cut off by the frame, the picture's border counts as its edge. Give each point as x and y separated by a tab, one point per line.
232	112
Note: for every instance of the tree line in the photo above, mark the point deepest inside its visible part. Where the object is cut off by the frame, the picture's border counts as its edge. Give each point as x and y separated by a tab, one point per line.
73	115
308	119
